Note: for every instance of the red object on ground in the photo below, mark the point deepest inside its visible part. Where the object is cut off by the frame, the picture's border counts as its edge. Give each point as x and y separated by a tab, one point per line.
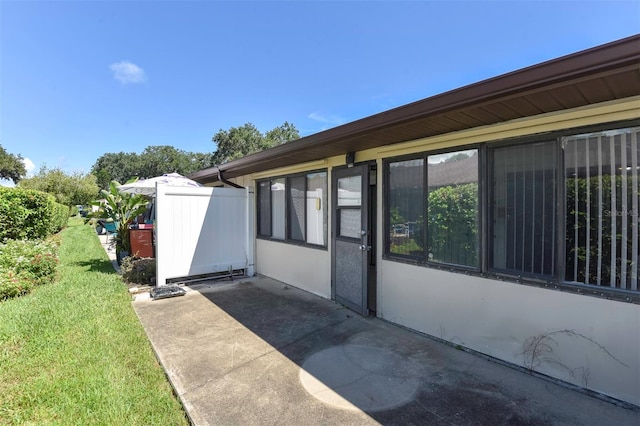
141	242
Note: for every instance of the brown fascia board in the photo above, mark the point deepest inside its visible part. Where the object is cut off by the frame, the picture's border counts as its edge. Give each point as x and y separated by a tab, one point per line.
596	60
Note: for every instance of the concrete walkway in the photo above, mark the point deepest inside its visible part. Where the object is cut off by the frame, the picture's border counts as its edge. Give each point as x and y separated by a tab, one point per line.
109	246
257	352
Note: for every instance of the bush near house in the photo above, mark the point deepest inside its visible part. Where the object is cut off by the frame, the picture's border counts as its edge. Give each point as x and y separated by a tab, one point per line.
25	264
30	214
138	270
14	285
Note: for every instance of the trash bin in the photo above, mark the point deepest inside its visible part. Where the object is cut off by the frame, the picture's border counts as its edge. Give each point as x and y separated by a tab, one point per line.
141	239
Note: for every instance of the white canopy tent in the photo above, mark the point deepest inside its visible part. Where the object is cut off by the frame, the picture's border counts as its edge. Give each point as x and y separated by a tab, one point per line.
148	186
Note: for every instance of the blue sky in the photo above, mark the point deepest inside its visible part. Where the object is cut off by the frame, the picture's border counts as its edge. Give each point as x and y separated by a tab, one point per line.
82	78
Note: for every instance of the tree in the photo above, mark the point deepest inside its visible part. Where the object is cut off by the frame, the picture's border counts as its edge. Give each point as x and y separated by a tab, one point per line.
11	166
240	141
68	189
283	134
158	160
153	161
120	167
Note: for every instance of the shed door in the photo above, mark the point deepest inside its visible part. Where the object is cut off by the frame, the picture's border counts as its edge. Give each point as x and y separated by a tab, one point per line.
353	239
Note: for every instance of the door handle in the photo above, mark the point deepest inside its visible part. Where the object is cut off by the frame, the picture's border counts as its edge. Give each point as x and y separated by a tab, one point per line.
365	248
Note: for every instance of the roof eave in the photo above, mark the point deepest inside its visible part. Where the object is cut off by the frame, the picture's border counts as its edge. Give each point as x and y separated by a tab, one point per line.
597	60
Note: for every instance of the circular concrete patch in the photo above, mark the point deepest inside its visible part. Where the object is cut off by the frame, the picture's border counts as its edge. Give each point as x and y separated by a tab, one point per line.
357	377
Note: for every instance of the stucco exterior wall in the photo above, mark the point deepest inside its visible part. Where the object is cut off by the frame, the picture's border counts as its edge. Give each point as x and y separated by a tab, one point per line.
584	340
595	342
303	267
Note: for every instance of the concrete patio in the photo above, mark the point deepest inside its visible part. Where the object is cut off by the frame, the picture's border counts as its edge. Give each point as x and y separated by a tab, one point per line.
256	352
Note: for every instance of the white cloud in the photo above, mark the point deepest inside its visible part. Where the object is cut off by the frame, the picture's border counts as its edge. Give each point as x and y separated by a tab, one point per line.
128	72
331	119
28	165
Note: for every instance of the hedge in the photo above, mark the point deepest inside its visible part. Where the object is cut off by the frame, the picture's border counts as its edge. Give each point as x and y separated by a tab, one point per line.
29	214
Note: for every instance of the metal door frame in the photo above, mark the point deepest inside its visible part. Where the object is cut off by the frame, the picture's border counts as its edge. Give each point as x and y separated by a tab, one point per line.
367	241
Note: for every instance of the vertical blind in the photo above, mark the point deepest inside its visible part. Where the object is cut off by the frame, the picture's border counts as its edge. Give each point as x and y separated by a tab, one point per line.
524	188
601	172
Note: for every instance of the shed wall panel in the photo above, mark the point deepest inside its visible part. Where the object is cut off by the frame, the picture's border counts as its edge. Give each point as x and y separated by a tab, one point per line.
201	231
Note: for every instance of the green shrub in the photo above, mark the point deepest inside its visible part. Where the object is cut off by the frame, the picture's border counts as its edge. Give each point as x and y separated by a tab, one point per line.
29	214
73	211
59	218
14	285
35	260
13	216
136	270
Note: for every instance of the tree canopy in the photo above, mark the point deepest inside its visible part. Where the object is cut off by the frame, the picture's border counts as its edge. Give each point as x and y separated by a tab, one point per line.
11	166
157	160
68	189
240	141
119	166
153	161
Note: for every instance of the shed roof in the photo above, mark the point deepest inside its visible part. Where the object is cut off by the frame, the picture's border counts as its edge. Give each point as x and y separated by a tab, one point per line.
603	73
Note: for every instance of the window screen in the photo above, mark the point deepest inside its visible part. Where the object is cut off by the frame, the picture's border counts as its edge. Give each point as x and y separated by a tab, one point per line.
523	208
264	208
278	209
406	204
297	201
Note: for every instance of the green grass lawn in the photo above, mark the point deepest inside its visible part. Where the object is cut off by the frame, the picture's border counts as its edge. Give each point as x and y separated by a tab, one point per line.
74	352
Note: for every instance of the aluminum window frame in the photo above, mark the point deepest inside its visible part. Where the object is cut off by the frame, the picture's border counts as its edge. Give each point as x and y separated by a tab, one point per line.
288	239
485	169
423	259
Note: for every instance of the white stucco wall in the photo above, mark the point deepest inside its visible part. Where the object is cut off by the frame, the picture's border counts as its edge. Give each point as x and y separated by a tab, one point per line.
303	267
496	318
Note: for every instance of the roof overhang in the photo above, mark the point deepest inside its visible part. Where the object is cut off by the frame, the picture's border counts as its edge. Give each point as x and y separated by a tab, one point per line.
603	73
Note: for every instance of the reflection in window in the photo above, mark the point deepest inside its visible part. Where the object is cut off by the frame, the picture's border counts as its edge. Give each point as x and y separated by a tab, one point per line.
296	201
350	223
601	196
406	203
277	208
452	234
294	208
317	208
557	209
350	191
264	208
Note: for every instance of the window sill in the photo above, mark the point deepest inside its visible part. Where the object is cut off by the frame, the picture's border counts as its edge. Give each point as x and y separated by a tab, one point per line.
293	243
618	295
